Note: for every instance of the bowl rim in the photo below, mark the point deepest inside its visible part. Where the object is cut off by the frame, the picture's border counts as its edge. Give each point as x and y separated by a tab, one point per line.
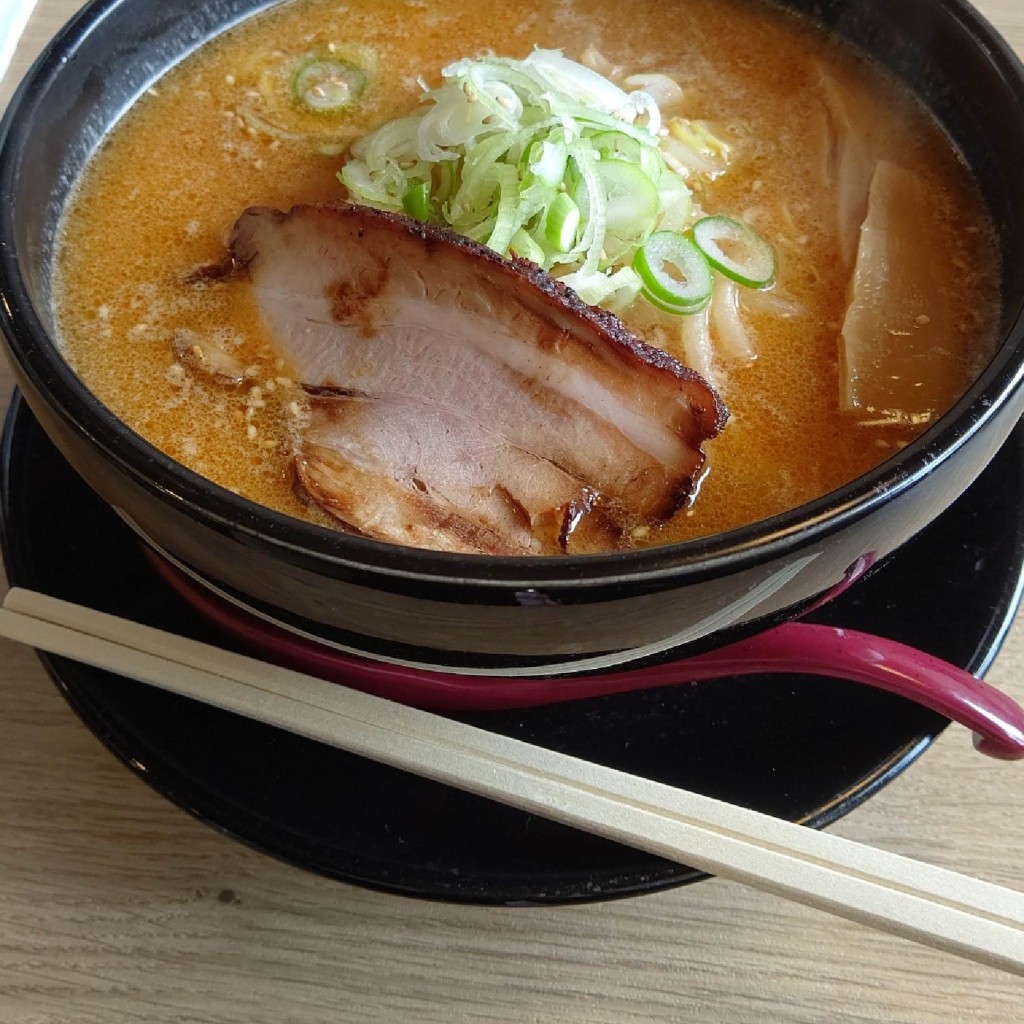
303	543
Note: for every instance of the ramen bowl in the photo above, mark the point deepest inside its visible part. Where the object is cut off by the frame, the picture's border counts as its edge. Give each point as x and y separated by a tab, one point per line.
473	613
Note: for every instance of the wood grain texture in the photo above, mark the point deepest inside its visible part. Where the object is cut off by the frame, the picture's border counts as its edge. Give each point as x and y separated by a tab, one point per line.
117	907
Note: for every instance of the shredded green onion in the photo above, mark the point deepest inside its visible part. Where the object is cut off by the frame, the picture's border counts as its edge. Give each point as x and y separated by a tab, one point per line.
543	151
546	159
631	203
546	162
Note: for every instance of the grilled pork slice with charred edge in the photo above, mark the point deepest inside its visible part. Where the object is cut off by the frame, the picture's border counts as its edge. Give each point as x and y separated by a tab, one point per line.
462	401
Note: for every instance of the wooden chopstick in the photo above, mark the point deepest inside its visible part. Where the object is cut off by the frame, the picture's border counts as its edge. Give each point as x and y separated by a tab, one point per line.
934	906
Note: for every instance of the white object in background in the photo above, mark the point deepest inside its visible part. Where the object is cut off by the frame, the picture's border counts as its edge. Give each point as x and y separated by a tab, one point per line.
14	15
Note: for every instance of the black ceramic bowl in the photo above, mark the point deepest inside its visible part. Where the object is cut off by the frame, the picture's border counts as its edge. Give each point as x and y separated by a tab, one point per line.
498	614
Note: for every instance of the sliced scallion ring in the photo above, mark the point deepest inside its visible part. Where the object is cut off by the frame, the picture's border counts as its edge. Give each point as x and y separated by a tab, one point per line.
546	161
327	85
675	274
631	196
613	145
524	245
416	201
561	223
736	250
668	307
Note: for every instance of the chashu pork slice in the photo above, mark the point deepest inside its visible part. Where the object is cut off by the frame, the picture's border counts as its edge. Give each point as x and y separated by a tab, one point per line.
462	401
438	480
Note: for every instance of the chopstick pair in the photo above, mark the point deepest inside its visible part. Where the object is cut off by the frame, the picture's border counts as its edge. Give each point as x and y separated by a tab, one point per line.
933	906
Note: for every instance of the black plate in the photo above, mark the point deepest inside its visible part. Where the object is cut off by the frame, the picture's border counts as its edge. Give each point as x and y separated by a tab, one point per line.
802	748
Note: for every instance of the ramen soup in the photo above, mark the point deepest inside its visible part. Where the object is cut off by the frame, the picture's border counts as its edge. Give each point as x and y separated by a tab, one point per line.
804	271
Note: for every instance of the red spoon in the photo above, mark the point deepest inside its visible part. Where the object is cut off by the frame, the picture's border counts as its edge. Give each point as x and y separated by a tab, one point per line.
995	719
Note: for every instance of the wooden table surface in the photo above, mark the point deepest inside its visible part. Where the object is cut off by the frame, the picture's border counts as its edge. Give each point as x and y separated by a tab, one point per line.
117	907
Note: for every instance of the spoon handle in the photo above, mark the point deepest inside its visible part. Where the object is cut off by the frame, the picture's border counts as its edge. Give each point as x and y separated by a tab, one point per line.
796	647
996	720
